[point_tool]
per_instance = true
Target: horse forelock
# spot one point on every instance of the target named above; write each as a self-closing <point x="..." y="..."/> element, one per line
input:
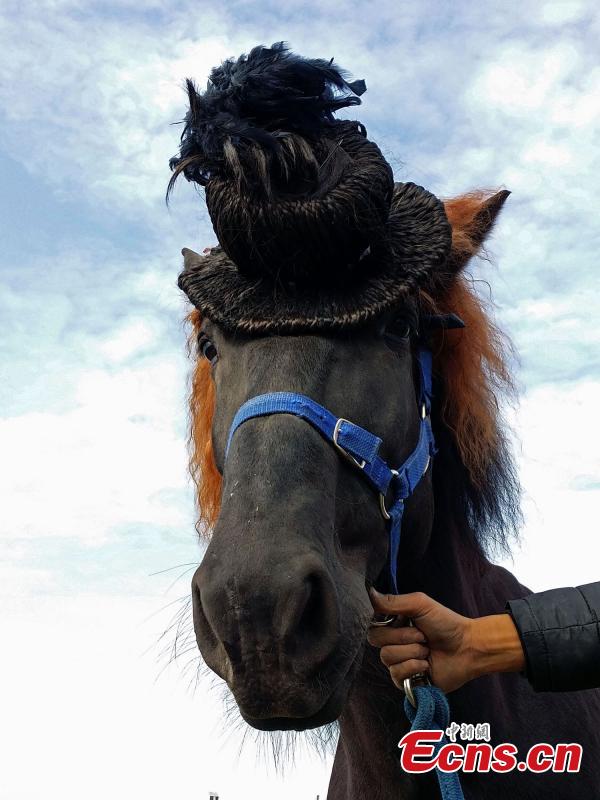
<point x="471" y="364"/>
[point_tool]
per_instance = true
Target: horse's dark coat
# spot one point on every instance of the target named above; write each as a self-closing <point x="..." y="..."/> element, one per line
<point x="280" y="606"/>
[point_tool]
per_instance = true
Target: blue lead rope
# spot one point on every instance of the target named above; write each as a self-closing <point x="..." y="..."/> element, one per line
<point x="433" y="713"/>
<point x="361" y="447"/>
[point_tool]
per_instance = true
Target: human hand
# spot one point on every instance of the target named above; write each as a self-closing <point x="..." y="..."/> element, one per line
<point x="452" y="648"/>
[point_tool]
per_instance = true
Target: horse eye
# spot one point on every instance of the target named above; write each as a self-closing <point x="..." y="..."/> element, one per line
<point x="398" y="335"/>
<point x="402" y="331"/>
<point x="208" y="350"/>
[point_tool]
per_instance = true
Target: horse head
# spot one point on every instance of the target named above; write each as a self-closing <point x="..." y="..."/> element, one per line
<point x="280" y="606"/>
<point x="304" y="297"/>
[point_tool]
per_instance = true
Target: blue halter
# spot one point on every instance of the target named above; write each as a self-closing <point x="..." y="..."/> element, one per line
<point x="360" y="447"/>
<point x="428" y="707"/>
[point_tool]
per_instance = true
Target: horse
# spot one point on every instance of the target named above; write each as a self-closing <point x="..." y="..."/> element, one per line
<point x="295" y="536"/>
<point x="280" y="606"/>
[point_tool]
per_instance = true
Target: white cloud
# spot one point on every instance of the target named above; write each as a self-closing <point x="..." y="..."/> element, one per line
<point x="560" y="470"/>
<point x="20" y="580"/>
<point x="560" y="12"/>
<point x="95" y="121"/>
<point x="80" y="694"/>
<point x="519" y="79"/>
<point x="108" y="462"/>
<point x="129" y="340"/>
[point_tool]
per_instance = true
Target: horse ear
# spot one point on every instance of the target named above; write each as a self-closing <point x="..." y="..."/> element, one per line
<point x="473" y="229"/>
<point x="190" y="258"/>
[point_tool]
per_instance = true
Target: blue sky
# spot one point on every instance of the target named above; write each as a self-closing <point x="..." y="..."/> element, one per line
<point x="92" y="399"/>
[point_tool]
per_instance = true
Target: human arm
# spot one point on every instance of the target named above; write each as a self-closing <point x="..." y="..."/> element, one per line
<point x="560" y="632"/>
<point x="553" y="637"/>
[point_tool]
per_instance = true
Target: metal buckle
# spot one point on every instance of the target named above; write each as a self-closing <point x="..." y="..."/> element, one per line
<point x="336" y="432"/>
<point x="384" y="512"/>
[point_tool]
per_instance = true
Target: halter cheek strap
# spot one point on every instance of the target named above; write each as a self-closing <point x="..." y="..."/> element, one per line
<point x="360" y="447"/>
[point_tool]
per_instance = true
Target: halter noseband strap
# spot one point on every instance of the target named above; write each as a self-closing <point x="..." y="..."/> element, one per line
<point x="360" y="447"/>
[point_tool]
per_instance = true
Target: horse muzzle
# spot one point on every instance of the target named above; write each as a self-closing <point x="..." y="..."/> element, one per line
<point x="276" y="637"/>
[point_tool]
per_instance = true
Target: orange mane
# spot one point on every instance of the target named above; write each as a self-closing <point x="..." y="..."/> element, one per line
<point x="470" y="363"/>
<point x="203" y="469"/>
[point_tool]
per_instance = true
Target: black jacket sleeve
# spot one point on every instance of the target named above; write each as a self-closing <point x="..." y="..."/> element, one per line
<point x="560" y="633"/>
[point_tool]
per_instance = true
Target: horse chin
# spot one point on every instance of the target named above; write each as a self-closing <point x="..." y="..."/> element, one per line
<point x="329" y="712"/>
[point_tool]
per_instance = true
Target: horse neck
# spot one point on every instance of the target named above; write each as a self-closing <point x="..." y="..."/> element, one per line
<point x="374" y="721"/>
<point x="453" y="569"/>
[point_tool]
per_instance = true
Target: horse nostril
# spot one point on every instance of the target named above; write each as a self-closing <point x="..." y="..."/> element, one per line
<point x="310" y="619"/>
<point x="203" y="628"/>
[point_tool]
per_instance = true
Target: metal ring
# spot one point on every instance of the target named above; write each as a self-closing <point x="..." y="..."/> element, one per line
<point x="384" y="512"/>
<point x="408" y="687"/>
<point x="380" y="623"/>
<point x="409" y="692"/>
<point x="418" y="676"/>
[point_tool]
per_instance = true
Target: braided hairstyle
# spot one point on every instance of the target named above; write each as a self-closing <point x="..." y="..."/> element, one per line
<point x="293" y="194"/>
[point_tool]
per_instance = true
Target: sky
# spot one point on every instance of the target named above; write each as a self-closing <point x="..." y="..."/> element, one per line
<point x="97" y="543"/>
